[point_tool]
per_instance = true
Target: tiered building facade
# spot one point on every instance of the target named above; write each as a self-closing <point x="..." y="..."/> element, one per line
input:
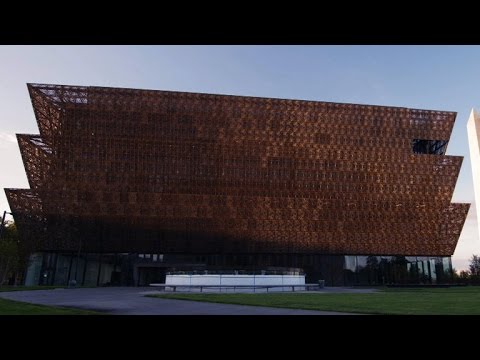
<point x="126" y="185"/>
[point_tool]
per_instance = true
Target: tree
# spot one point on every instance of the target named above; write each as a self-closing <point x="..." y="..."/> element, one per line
<point x="475" y="269"/>
<point x="10" y="259"/>
<point x="455" y="275"/>
<point x="475" y="265"/>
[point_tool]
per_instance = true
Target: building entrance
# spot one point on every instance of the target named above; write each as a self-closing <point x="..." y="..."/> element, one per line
<point x="148" y="275"/>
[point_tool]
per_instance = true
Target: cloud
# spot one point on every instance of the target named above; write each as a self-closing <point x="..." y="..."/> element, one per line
<point x="7" y="139"/>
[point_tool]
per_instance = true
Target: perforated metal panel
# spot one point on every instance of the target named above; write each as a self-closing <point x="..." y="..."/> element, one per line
<point x="138" y="170"/>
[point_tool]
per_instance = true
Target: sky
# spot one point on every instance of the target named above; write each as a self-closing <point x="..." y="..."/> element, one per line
<point x="422" y="77"/>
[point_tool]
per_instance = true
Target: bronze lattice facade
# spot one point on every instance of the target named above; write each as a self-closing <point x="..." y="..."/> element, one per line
<point x="139" y="171"/>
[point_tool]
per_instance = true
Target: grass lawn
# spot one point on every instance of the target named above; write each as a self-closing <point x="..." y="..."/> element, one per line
<point x="10" y="307"/>
<point x="418" y="301"/>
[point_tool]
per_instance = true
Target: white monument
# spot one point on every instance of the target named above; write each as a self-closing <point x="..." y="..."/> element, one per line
<point x="473" y="130"/>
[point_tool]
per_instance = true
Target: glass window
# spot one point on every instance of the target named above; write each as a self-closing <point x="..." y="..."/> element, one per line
<point x="423" y="146"/>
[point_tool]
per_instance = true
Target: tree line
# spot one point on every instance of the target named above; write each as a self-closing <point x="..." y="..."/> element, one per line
<point x="13" y="256"/>
<point x="470" y="276"/>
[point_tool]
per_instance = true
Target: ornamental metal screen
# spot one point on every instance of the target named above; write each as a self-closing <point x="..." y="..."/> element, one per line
<point x="126" y="170"/>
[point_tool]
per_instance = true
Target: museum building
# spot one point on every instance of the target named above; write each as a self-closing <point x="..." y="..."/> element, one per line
<point x="129" y="185"/>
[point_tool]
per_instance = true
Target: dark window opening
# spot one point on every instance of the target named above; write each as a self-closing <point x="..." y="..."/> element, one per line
<point x="435" y="147"/>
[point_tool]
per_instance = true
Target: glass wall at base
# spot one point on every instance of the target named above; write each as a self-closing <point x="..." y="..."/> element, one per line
<point x="386" y="270"/>
<point x="124" y="269"/>
<point x="86" y="269"/>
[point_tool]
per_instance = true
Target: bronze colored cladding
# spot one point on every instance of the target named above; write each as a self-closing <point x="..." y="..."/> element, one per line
<point x="139" y="170"/>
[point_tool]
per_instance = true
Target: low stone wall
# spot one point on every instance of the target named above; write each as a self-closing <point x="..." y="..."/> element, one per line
<point x="229" y="280"/>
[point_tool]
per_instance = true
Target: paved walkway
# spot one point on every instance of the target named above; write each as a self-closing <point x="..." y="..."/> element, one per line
<point x="132" y="301"/>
